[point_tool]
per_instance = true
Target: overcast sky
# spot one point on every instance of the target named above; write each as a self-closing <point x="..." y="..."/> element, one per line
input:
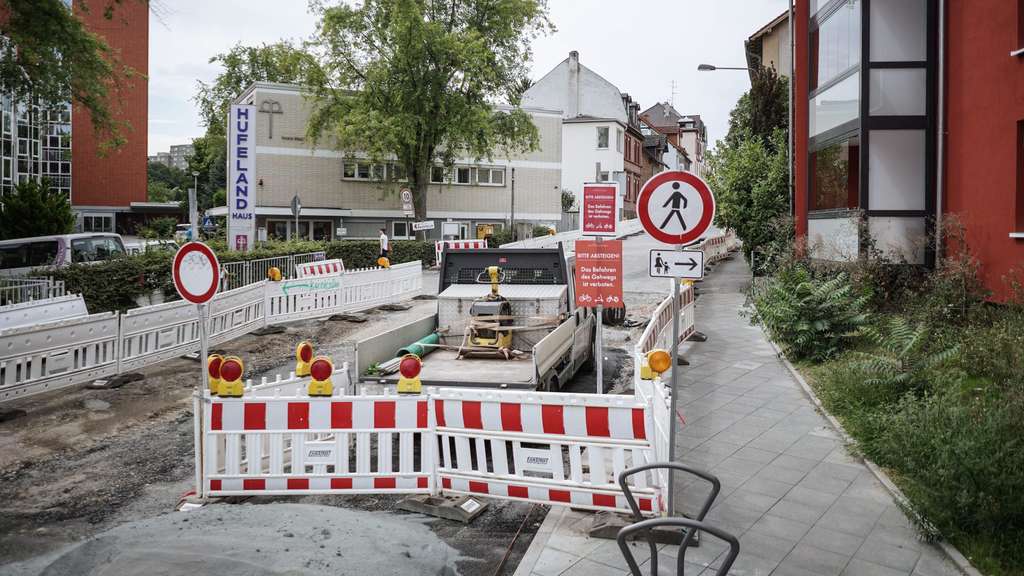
<point x="641" y="46"/>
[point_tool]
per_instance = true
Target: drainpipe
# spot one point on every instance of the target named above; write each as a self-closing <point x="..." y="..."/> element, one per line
<point x="792" y="78"/>
<point x="941" y="132"/>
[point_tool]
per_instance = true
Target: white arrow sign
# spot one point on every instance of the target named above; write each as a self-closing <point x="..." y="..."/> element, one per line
<point x="677" y="264"/>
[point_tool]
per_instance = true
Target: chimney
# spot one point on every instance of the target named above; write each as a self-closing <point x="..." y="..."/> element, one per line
<point x="574" y="85"/>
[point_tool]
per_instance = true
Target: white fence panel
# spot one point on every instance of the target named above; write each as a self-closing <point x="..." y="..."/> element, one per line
<point x="48" y="356"/>
<point x="41" y="311"/>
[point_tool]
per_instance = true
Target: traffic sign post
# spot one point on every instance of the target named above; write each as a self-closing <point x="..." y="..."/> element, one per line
<point x="599" y="211"/>
<point x="196" y="275"/>
<point x="296" y="209"/>
<point x="677" y="208"/>
<point x="599" y="284"/>
<point x="677" y="264"/>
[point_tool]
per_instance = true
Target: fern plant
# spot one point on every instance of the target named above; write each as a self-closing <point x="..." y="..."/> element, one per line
<point x="810" y="318"/>
<point x="903" y="359"/>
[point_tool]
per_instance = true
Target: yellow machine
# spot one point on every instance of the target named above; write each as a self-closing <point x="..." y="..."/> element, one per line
<point x="320" y="371"/>
<point x="231" y="370"/>
<point x="303" y="358"/>
<point x="213" y="372"/>
<point x="409" y="368"/>
<point x="483" y="333"/>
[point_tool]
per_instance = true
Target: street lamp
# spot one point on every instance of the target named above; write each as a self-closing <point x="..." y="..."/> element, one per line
<point x="193" y="207"/>
<point x="712" y="68"/>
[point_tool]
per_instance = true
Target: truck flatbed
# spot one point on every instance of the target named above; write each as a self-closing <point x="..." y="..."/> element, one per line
<point x="443" y="368"/>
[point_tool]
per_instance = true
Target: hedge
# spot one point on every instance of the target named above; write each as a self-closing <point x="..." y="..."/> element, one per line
<point x="115" y="285"/>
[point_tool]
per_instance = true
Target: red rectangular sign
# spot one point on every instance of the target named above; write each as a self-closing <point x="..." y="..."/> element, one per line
<point x="599" y="210"/>
<point x="599" y="273"/>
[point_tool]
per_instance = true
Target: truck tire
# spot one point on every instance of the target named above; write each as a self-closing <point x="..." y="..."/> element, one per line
<point x="614" y="316"/>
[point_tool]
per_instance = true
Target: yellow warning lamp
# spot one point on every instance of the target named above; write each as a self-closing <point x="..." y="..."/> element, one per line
<point x="384" y="262"/>
<point x="231" y="370"/>
<point x="409" y="368"/>
<point x="320" y="370"/>
<point x="658" y="361"/>
<point x="274" y="274"/>
<point x="213" y="362"/>
<point x="303" y="358"/>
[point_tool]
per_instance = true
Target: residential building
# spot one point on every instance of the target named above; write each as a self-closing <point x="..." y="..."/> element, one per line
<point x="885" y="154"/>
<point x="161" y="158"/>
<point x="594" y="124"/>
<point x="770" y="46"/>
<point x="108" y="191"/>
<point x="633" y="158"/>
<point x="180" y="154"/>
<point x="686" y="132"/>
<point x="671" y="155"/>
<point x="349" y="196"/>
<point x="35" y="143"/>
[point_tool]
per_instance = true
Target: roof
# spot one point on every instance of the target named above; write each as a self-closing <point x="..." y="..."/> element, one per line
<point x="662" y="114"/>
<point x="767" y="28"/>
<point x="585" y="119"/>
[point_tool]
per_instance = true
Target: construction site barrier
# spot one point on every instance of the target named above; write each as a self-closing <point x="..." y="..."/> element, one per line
<point x="39" y="311"/>
<point x="238" y="274"/>
<point x="73" y="348"/>
<point x="440" y="245"/>
<point x="17" y="290"/>
<point x="568" y="239"/>
<point x="322" y="268"/>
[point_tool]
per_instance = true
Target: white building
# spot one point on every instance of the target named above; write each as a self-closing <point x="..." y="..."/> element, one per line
<point x="594" y="125"/>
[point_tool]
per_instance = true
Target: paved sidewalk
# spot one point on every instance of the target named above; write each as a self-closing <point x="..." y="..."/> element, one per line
<point x="800" y="504"/>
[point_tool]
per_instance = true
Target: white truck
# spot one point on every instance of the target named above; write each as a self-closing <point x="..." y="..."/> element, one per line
<point x="506" y="318"/>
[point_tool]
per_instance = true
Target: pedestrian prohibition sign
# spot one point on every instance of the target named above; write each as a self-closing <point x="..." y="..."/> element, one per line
<point x="676" y="207"/>
<point x="196" y="272"/>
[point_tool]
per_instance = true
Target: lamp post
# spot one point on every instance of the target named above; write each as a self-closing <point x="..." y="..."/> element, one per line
<point x="712" y="68"/>
<point x="193" y="208"/>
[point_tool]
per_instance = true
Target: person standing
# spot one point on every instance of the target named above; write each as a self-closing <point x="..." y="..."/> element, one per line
<point x="383" y="244"/>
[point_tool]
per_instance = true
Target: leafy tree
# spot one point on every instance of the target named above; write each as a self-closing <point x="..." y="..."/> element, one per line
<point x="761" y="110"/>
<point x="35" y="209"/>
<point x="50" y="56"/>
<point x="168" y="175"/>
<point x="416" y="81"/>
<point x="568" y="200"/>
<point x="210" y="161"/>
<point x="159" y="192"/>
<point x="282" y="62"/>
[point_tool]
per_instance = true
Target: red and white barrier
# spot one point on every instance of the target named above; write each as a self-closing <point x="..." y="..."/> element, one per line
<point x="323" y="268"/>
<point x="440" y="245"/>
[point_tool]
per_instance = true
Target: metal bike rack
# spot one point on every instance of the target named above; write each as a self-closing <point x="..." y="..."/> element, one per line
<point x="694" y="525"/>
<point x="691" y="526"/>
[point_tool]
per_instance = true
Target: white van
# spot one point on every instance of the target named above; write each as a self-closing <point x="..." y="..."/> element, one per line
<point x="22" y="255"/>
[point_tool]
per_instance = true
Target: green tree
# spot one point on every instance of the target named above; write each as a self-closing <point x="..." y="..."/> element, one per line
<point x="760" y="111"/>
<point x="159" y="192"/>
<point x="416" y="80"/>
<point x="50" y="56"/>
<point x="210" y="161"/>
<point x="168" y="175"/>
<point x="35" y="209"/>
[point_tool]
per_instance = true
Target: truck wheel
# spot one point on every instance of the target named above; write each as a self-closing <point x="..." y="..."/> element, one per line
<point x="614" y="316"/>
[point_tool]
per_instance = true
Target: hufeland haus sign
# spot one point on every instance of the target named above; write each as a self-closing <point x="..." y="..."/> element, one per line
<point x="241" y="194"/>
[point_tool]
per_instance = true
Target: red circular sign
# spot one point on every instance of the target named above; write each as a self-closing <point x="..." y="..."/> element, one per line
<point x="196" y="272"/>
<point x="661" y="220"/>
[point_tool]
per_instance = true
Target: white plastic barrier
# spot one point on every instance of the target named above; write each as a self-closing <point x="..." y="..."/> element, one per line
<point x="439" y="246"/>
<point x="322" y="268"/>
<point x="40" y="311"/>
<point x="623" y="228"/>
<point x="51" y="355"/>
<point x="57" y="354"/>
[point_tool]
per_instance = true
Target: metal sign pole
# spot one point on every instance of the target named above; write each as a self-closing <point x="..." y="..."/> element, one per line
<point x="599" y="340"/>
<point x="204" y="352"/>
<point x="675" y="395"/>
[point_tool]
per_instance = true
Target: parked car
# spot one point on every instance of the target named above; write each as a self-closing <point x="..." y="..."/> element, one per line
<point x="138" y="246"/>
<point x="22" y="255"/>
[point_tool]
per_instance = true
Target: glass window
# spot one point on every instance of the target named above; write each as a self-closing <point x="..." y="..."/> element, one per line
<point x="363" y="171"/>
<point x="28" y="255"/>
<point x="398" y="173"/>
<point x="322" y="230"/>
<point x="835" y="176"/>
<point x="898" y="91"/>
<point x="835" y="45"/>
<point x="490" y="176"/>
<point x="463" y="175"/>
<point x="437" y="174"/>
<point x="618" y="140"/>
<point x="836" y="106"/>
<point x="899" y="30"/>
<point x="277" y="229"/>
<point x="498" y="176"/>
<point x="896" y="170"/>
<point x="398" y="229"/>
<point x="349" y="170"/>
<point x="378" y="171"/>
<point x="602" y="137"/>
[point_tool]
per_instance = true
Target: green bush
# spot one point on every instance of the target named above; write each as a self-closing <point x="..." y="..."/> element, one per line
<point x="810" y="318"/>
<point x="114" y="285"/>
<point x="902" y="360"/>
<point x="539" y="230"/>
<point x="364" y="253"/>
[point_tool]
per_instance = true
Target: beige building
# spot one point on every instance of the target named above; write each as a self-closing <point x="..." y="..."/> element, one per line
<point x="347" y="196"/>
<point x="770" y="46"/>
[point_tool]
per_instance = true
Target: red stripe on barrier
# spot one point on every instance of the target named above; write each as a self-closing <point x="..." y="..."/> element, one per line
<point x="597" y="421"/>
<point x="559" y="496"/>
<point x="385" y="483"/>
<point x="551" y="418"/>
<point x="511" y="417"/>
<point x="254" y="484"/>
<point x="217" y="417"/>
<point x="383" y="414"/>
<point x="439" y="412"/>
<point x="421" y="414"/>
<point x="298" y="415"/>
<point x="471" y="415"/>
<point x="341" y="483"/>
<point x="341" y="414"/>
<point x="639" y="424"/>
<point x="518" y="492"/>
<point x="422" y="482"/>
<point x="298" y="483"/>
<point x="606" y="500"/>
<point x="479" y="487"/>
<point x="255" y="416"/>
<point x="446" y="483"/>
<point x="645" y="504"/>
<point x="214" y="484"/>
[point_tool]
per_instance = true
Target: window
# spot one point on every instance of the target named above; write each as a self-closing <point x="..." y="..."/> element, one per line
<point x="95" y="249"/>
<point x="835" y="106"/>
<point x="602" y="137"/>
<point x="277" y="229"/>
<point x="604" y="177"/>
<point x="399" y="230"/>
<point x="437" y="175"/>
<point x="362" y="170"/>
<point x="618" y="139"/>
<point x="835" y="44"/>
<point x="97" y="223"/>
<point x="835" y="176"/>
<point x="398" y="173"/>
<point x="322" y="230"/>
<point x="463" y="175"/>
<point x="28" y="255"/>
<point x="490" y="176"/>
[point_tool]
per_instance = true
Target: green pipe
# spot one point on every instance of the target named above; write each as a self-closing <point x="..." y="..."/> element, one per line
<point x="418" y="347"/>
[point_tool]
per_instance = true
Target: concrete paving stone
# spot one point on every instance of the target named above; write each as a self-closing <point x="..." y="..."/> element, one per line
<point x="896" y="557"/>
<point x="775" y="440"/>
<point x="752" y="500"/>
<point x="770" y="414"/>
<point x="812" y="447"/>
<point x="824" y="483"/>
<point x="902" y="536"/>
<point x="869" y="489"/>
<point x="785" y="569"/>
<point x="814" y="498"/>
<point x="732" y="518"/>
<point x="858" y="507"/>
<point x="747" y="365"/>
<point x="704" y="555"/>
<point x="934" y="563"/>
<point x="795" y="463"/>
<point x="793" y="510"/>
<point x="781" y="474"/>
<point x="756" y="454"/>
<point x="859" y="525"/>
<point x="589" y="568"/>
<point x="815" y="560"/>
<point x="667" y="566"/>
<point x="740" y="434"/>
<point x="861" y="567"/>
<point x="842" y="456"/>
<point x="738" y="467"/>
<point x="843" y="471"/>
<point x="759" y="423"/>
<point x="553" y="562"/>
<point x="755" y="402"/>
<point x="742" y="409"/>
<point x="609" y="554"/>
<point x="780" y="527"/>
<point x="765" y="546"/>
<point x="761" y="485"/>
<point x="751" y="565"/>
<point x="833" y="541"/>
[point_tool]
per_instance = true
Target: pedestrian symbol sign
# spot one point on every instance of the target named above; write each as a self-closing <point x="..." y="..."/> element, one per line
<point x="677" y="264"/>
<point x="676" y="207"/>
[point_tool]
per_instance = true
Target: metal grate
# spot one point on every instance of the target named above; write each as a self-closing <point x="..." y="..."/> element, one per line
<point x="512" y="276"/>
